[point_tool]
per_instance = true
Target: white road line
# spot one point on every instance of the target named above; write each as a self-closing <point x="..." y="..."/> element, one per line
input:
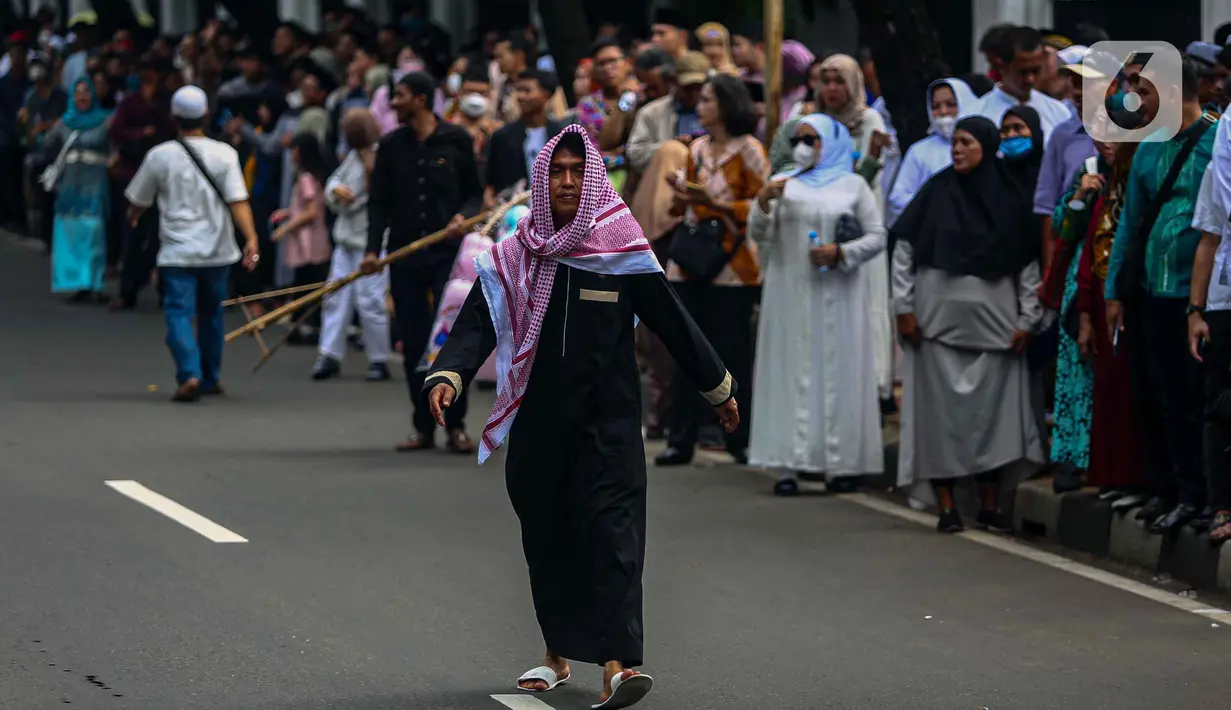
<point x="521" y="702"/>
<point x="193" y="521"/>
<point x="1049" y="559"/>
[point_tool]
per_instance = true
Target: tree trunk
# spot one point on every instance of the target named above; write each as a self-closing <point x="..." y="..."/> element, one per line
<point x="568" y="38"/>
<point x="907" y="53"/>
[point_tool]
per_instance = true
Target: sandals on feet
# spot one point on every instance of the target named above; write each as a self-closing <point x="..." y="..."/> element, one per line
<point x="626" y="691"/>
<point x="545" y="674"/>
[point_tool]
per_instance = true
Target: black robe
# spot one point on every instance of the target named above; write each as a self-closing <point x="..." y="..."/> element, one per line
<point x="575" y="469"/>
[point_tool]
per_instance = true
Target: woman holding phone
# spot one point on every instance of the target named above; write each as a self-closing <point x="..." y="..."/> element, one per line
<point x="726" y="169"/>
<point x="1090" y="213"/>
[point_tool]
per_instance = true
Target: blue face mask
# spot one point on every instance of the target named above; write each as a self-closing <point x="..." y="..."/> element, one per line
<point x="1016" y="147"/>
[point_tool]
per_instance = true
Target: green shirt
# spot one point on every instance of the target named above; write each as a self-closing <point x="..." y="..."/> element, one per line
<point x="1173" y="241"/>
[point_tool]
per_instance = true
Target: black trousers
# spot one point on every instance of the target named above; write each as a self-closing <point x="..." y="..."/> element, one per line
<point x="416" y="292"/>
<point x="724" y="315"/>
<point x="139" y="256"/>
<point x="1178" y="380"/>
<point x="1217" y="426"/>
<point x="12" y="199"/>
<point x="117" y="222"/>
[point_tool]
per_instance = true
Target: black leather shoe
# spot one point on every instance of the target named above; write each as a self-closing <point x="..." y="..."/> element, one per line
<point x="1153" y="509"/>
<point x="673" y="457"/>
<point x="950" y="521"/>
<point x="1201" y="523"/>
<point x="1066" y="480"/>
<point x="326" y="367"/>
<point x="377" y="372"/>
<point x="842" y="484"/>
<point x="1179" y="516"/>
<point x="995" y="521"/>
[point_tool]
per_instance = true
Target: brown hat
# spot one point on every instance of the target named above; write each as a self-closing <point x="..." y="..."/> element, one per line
<point x="692" y="68"/>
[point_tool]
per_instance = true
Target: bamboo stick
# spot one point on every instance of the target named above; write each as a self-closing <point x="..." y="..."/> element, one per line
<point x="773" y="68"/>
<point x="499" y="213"/>
<point x="272" y="294"/>
<point x="243" y="307"/>
<point x="395" y="256"/>
<point x="286" y="337"/>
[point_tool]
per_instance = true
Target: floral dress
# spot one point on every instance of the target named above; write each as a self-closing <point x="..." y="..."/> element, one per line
<point x="1074" y="399"/>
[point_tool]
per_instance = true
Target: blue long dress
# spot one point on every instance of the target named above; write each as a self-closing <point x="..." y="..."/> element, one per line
<point x="83" y="204"/>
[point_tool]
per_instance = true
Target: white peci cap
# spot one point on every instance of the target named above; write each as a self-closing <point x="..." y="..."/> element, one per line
<point x="189" y="102"/>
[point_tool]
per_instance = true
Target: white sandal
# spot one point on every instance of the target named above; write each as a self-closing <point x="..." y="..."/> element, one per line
<point x="626" y="692"/>
<point x="545" y="674"/>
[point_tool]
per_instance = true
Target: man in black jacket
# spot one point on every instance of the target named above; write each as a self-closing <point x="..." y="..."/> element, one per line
<point x="512" y="149"/>
<point x="424" y="180"/>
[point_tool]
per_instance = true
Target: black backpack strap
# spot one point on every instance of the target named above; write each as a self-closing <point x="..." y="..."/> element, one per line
<point x="196" y="160"/>
<point x="1132" y="271"/>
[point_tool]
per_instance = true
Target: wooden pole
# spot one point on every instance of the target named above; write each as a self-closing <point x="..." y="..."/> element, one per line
<point x="773" y="68"/>
<point x="278" y="313"/>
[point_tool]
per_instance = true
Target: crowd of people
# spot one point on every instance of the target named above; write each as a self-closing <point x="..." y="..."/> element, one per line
<point x="1044" y="300"/>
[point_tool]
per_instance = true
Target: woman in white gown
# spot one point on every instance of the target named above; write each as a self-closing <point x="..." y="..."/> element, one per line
<point x="815" y="405"/>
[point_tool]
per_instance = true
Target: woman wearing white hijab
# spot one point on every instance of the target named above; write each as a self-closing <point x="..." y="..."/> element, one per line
<point x="816" y="399"/>
<point x="949" y="101"/>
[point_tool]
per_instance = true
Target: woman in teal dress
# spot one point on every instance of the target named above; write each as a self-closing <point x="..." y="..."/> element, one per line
<point x="1074" y="399"/>
<point x="83" y="197"/>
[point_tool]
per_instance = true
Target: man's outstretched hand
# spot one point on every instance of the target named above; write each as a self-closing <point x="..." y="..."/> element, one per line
<point x="728" y="415"/>
<point x="440" y="399"/>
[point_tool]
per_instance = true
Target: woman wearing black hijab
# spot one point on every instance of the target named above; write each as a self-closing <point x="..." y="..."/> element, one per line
<point x="1021" y="143"/>
<point x="965" y="282"/>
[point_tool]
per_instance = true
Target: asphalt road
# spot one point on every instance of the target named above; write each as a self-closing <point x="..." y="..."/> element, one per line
<point x="372" y="580"/>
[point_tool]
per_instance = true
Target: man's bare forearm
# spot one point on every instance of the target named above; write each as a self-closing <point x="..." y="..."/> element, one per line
<point x="241" y="212"/>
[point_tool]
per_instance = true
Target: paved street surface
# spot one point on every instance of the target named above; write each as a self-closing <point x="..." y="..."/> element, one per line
<point x="371" y="580"/>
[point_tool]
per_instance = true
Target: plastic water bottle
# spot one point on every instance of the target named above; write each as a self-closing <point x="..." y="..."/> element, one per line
<point x="815" y="240"/>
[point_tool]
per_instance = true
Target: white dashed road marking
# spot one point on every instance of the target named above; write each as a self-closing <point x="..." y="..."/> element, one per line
<point x="521" y="702"/>
<point x="193" y="521"/>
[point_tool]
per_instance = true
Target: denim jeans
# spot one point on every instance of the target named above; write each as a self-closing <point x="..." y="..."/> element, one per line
<point x="195" y="292"/>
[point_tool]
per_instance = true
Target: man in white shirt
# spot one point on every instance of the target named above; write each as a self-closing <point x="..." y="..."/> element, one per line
<point x="199" y="214"/>
<point x="1019" y="57"/>
<point x="1209" y="324"/>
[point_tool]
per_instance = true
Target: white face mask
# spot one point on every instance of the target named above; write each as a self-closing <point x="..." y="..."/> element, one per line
<point x="294" y="100"/>
<point x="804" y="155"/>
<point x="37" y="72"/>
<point x="944" y="126"/>
<point x="473" y="105"/>
<point x="453" y="84"/>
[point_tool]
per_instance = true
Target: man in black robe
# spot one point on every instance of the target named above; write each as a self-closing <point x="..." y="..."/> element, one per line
<point x="558" y="302"/>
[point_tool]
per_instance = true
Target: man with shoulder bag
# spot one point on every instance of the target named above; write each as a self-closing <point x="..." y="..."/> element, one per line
<point x="200" y="190"/>
<point x="1152" y="257"/>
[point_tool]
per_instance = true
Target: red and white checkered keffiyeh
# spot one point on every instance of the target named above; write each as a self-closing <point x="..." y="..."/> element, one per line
<point x="518" y="273"/>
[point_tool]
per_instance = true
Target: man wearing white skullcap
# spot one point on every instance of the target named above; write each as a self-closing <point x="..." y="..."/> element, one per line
<point x="200" y="190"/>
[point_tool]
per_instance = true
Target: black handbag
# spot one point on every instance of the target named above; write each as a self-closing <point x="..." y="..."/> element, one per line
<point x="698" y="250"/>
<point x="848" y="229"/>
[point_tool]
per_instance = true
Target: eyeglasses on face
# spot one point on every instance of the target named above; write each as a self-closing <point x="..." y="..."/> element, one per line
<point x="809" y="141"/>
